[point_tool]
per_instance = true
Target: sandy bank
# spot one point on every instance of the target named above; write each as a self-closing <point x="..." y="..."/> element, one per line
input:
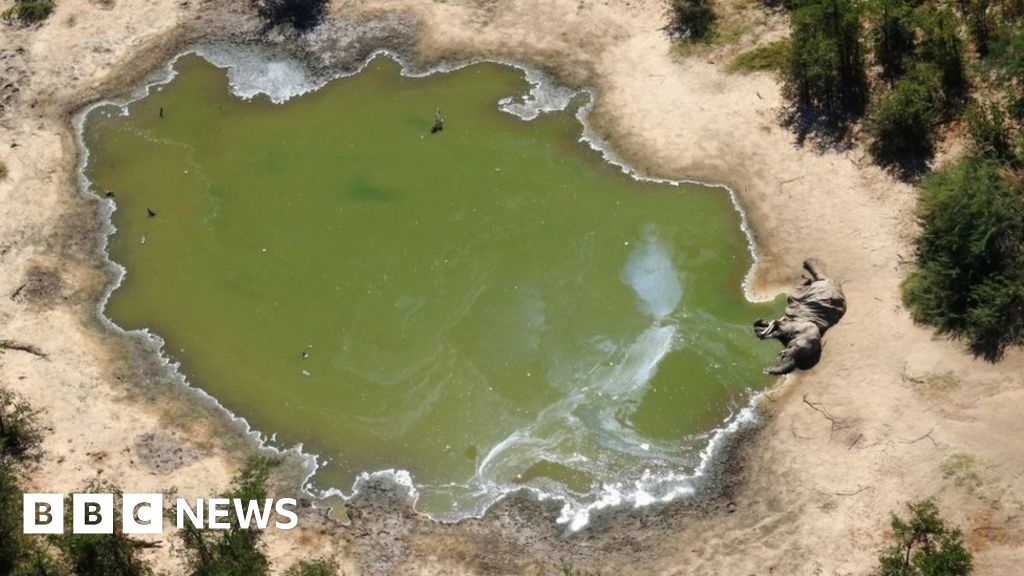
<point x="891" y="414"/>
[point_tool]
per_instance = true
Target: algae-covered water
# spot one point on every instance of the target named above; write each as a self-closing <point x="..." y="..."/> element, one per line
<point x="490" y="307"/>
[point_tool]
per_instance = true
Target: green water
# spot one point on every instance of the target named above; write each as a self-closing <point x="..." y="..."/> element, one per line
<point x="488" y="307"/>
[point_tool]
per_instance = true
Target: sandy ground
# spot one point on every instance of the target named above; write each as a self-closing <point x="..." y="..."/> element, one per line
<point x="892" y="413"/>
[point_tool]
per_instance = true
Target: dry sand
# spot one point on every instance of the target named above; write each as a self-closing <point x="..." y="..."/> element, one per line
<point x="891" y="414"/>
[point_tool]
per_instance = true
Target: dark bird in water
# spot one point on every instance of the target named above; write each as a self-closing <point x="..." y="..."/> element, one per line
<point x="305" y="354"/>
<point x="438" y="122"/>
<point x="108" y="194"/>
<point x="161" y="111"/>
<point x="150" y="212"/>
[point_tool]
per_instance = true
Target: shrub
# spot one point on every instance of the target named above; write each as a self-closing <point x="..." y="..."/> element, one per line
<point x="11" y="540"/>
<point x="236" y="551"/>
<point x="892" y="35"/>
<point x="942" y="46"/>
<point x="826" y="69"/>
<point x="764" y="58"/>
<point x="980" y="24"/>
<point x="102" y="554"/>
<point x="302" y="15"/>
<point x="37" y="562"/>
<point x="969" y="281"/>
<point x="902" y="125"/>
<point x="3" y="171"/>
<point x="29" y="11"/>
<point x="321" y="567"/>
<point x="694" y="19"/>
<point x="989" y="133"/>
<point x="1006" y="58"/>
<point x="21" y="435"/>
<point x="925" y="546"/>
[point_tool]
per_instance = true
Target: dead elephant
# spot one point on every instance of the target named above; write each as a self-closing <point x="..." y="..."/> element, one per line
<point x="816" y="305"/>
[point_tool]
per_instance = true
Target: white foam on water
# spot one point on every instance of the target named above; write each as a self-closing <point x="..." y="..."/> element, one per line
<point x="653" y="276"/>
<point x="598" y="397"/>
<point x="545" y="95"/>
<point x="254" y="71"/>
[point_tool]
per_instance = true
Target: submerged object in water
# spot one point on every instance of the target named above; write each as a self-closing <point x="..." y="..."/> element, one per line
<point x="438" y="122"/>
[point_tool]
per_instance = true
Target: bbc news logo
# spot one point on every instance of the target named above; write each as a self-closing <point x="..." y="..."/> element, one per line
<point x="144" y="513"/>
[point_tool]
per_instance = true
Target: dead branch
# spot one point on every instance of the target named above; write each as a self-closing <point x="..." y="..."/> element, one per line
<point x="835" y="423"/>
<point x="21" y="347"/>
<point x="927" y="435"/>
<point x="854" y="493"/>
<point x="855" y="441"/>
<point x="17" y="291"/>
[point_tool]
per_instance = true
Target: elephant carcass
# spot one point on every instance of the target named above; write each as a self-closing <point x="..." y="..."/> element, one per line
<point x="815" y="305"/>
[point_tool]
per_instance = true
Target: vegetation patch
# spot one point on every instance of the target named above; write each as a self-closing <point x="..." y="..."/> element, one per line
<point x="29" y="11"/>
<point x="21" y="435"/>
<point x="936" y="384"/>
<point x="768" y="58"/>
<point x="321" y="567"/>
<point x="969" y="281"/>
<point x="903" y="124"/>
<point x="925" y="546"/>
<point x="101" y="554"/>
<point x="962" y="469"/>
<point x="826" y="73"/>
<point x="694" y="20"/>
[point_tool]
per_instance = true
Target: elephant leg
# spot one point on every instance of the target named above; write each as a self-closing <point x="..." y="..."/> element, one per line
<point x="814" y="269"/>
<point x="785" y="365"/>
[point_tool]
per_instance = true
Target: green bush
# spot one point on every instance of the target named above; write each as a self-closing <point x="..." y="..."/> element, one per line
<point x="969" y="281"/>
<point x="21" y="435"/>
<point x="826" y="70"/>
<point x="694" y="19"/>
<point x="1012" y="9"/>
<point x="1006" y="63"/>
<point x="35" y="561"/>
<point x="925" y="546"/>
<point x="11" y="540"/>
<point x="29" y="11"/>
<point x="980" y="24"/>
<point x="942" y="46"/>
<point x="236" y="551"/>
<point x="902" y="126"/>
<point x="989" y="133"/>
<point x="892" y="35"/>
<point x="773" y="56"/>
<point x="321" y="567"/>
<point x="102" y="554"/>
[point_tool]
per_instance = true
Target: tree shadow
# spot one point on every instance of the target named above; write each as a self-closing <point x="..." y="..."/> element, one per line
<point x="908" y="168"/>
<point x="824" y="131"/>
